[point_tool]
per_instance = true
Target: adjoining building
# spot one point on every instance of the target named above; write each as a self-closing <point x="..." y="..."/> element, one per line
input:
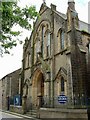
<point x="0" y="94"/>
<point x="9" y="86"/>
<point x="55" y="65"/>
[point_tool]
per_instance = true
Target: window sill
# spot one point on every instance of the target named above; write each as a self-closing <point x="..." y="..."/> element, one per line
<point x="61" y="52"/>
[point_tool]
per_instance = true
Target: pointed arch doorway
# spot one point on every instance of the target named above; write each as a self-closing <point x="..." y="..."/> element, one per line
<point x="38" y="89"/>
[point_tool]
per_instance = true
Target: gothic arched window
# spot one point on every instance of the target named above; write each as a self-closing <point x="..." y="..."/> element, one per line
<point x="48" y="44"/>
<point x="42" y="46"/>
<point x="62" y="84"/>
<point x="62" y="39"/>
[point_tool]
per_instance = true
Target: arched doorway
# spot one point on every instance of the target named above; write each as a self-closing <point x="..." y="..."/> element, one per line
<point x="38" y="89"/>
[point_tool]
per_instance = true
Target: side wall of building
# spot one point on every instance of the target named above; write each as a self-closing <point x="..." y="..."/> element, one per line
<point x="10" y="88"/>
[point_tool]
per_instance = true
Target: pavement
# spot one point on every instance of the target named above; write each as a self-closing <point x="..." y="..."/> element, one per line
<point x="20" y="115"/>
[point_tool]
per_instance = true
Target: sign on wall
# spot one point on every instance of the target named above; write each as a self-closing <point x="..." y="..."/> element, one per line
<point x="62" y="99"/>
<point x="17" y="100"/>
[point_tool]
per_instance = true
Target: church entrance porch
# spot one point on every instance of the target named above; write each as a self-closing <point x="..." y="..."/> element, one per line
<point x="38" y="89"/>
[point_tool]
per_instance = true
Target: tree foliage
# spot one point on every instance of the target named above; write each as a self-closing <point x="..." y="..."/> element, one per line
<point x="11" y="15"/>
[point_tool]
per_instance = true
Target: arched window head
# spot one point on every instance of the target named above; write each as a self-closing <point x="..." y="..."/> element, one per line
<point x="62" y="84"/>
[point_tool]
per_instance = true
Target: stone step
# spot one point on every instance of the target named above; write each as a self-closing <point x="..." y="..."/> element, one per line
<point x="32" y="113"/>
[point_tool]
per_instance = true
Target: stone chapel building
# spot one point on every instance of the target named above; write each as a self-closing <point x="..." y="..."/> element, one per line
<point x="56" y="60"/>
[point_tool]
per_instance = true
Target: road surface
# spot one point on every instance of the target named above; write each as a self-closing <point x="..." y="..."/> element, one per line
<point x="4" y="115"/>
<point x="7" y="116"/>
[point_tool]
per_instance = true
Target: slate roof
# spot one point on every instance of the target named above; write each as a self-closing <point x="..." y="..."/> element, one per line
<point x="82" y="25"/>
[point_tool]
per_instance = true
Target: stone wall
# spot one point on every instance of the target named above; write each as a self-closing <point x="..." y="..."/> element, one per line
<point x="10" y="87"/>
<point x="16" y="109"/>
<point x="63" y="113"/>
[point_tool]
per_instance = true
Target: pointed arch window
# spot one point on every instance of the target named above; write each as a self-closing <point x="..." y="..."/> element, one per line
<point x="48" y="44"/>
<point x="38" y="47"/>
<point x="62" y="84"/>
<point x="42" y="35"/>
<point x="62" y="39"/>
<point x="27" y="60"/>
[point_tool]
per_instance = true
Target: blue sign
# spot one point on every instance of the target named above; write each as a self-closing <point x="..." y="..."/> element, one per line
<point x="17" y="100"/>
<point x="62" y="99"/>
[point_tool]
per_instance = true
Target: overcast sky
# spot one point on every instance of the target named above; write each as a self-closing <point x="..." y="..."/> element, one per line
<point x="10" y="63"/>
